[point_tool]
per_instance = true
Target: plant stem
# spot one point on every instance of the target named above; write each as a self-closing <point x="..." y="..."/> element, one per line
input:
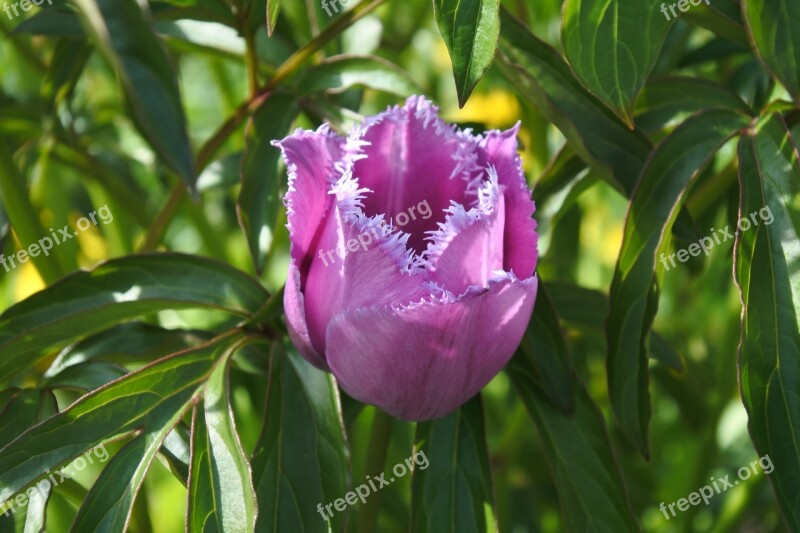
<point x="251" y="56"/>
<point x="209" y="149"/>
<point x="376" y="461"/>
<point x="159" y="226"/>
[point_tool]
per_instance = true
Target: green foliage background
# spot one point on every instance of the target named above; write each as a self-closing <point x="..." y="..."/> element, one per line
<point x="634" y="385"/>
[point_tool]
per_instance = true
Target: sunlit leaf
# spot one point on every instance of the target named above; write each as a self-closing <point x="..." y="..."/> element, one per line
<point x="470" y="29"/>
<point x="613" y="45"/>
<point x="118" y="290"/>
<point x="775" y="29"/>
<point x="768" y="275"/>
<point x="221" y="493"/>
<point x="340" y="73"/>
<point x="148" y="400"/>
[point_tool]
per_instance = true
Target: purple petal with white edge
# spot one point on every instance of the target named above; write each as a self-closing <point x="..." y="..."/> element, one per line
<point x="311" y="159"/>
<point x="468" y="247"/>
<point x="357" y="264"/>
<point x="294" y="305"/>
<point x="379" y="268"/>
<point x="415" y="164"/>
<point x="499" y="150"/>
<point x="422" y="361"/>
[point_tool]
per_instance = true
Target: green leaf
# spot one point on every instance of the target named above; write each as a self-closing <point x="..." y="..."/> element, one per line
<point x="109" y="504"/>
<point x="148" y="399"/>
<point x="211" y="38"/>
<point x="22" y="409"/>
<point x="563" y="172"/>
<point x="588" y="308"/>
<point x="260" y="195"/>
<point x="633" y="296"/>
<point x="222" y="174"/>
<point x="591" y="490"/>
<point x="301" y="459"/>
<point x="662" y="351"/>
<point x="23" y="216"/>
<point x="579" y="306"/>
<point x="221" y="496"/>
<point x="69" y="60"/>
<point x="775" y="29"/>
<point x="123" y="34"/>
<point x="339" y="73"/>
<point x="666" y="98"/>
<point x="597" y="135"/>
<point x="130" y="343"/>
<point x="613" y="45"/>
<point x="273" y="10"/>
<point x="470" y="29"/>
<point x="115" y="291"/>
<point x="55" y="22"/>
<point x="204" y="10"/>
<point x="545" y="350"/>
<point x="453" y="492"/>
<point x="723" y="17"/>
<point x="86" y="376"/>
<point x="768" y="276"/>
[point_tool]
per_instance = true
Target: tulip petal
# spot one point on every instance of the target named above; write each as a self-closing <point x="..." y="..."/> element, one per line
<point x="311" y="159"/>
<point x="294" y="305"/>
<point x="344" y="273"/>
<point x="324" y="280"/>
<point x="379" y="269"/>
<point x="422" y="361"/>
<point x="467" y="250"/>
<point x="415" y="164"/>
<point x="499" y="150"/>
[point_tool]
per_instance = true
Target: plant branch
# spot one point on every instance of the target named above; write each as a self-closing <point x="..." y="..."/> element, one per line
<point x="210" y="148"/>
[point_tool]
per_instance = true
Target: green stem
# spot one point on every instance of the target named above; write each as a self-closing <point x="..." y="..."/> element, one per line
<point x="376" y="461"/>
<point x="341" y="23"/>
<point x="159" y="226"/>
<point x="269" y="311"/>
<point x="22" y="214"/>
<point x="251" y="57"/>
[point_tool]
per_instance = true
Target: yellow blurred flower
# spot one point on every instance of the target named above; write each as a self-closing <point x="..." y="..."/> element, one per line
<point x="28" y="281"/>
<point x="93" y="247"/>
<point x="497" y="109"/>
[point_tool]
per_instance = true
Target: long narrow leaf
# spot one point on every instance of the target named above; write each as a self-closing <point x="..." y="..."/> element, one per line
<point x="768" y="275"/>
<point x="633" y="296"/>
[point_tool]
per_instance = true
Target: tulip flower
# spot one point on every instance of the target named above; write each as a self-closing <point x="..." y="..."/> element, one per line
<point x="413" y="257"/>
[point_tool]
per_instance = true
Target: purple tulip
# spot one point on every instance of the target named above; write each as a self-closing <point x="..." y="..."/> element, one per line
<point x="413" y="251"/>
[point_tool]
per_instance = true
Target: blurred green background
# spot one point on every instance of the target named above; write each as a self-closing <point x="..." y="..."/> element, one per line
<point x="72" y="143"/>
